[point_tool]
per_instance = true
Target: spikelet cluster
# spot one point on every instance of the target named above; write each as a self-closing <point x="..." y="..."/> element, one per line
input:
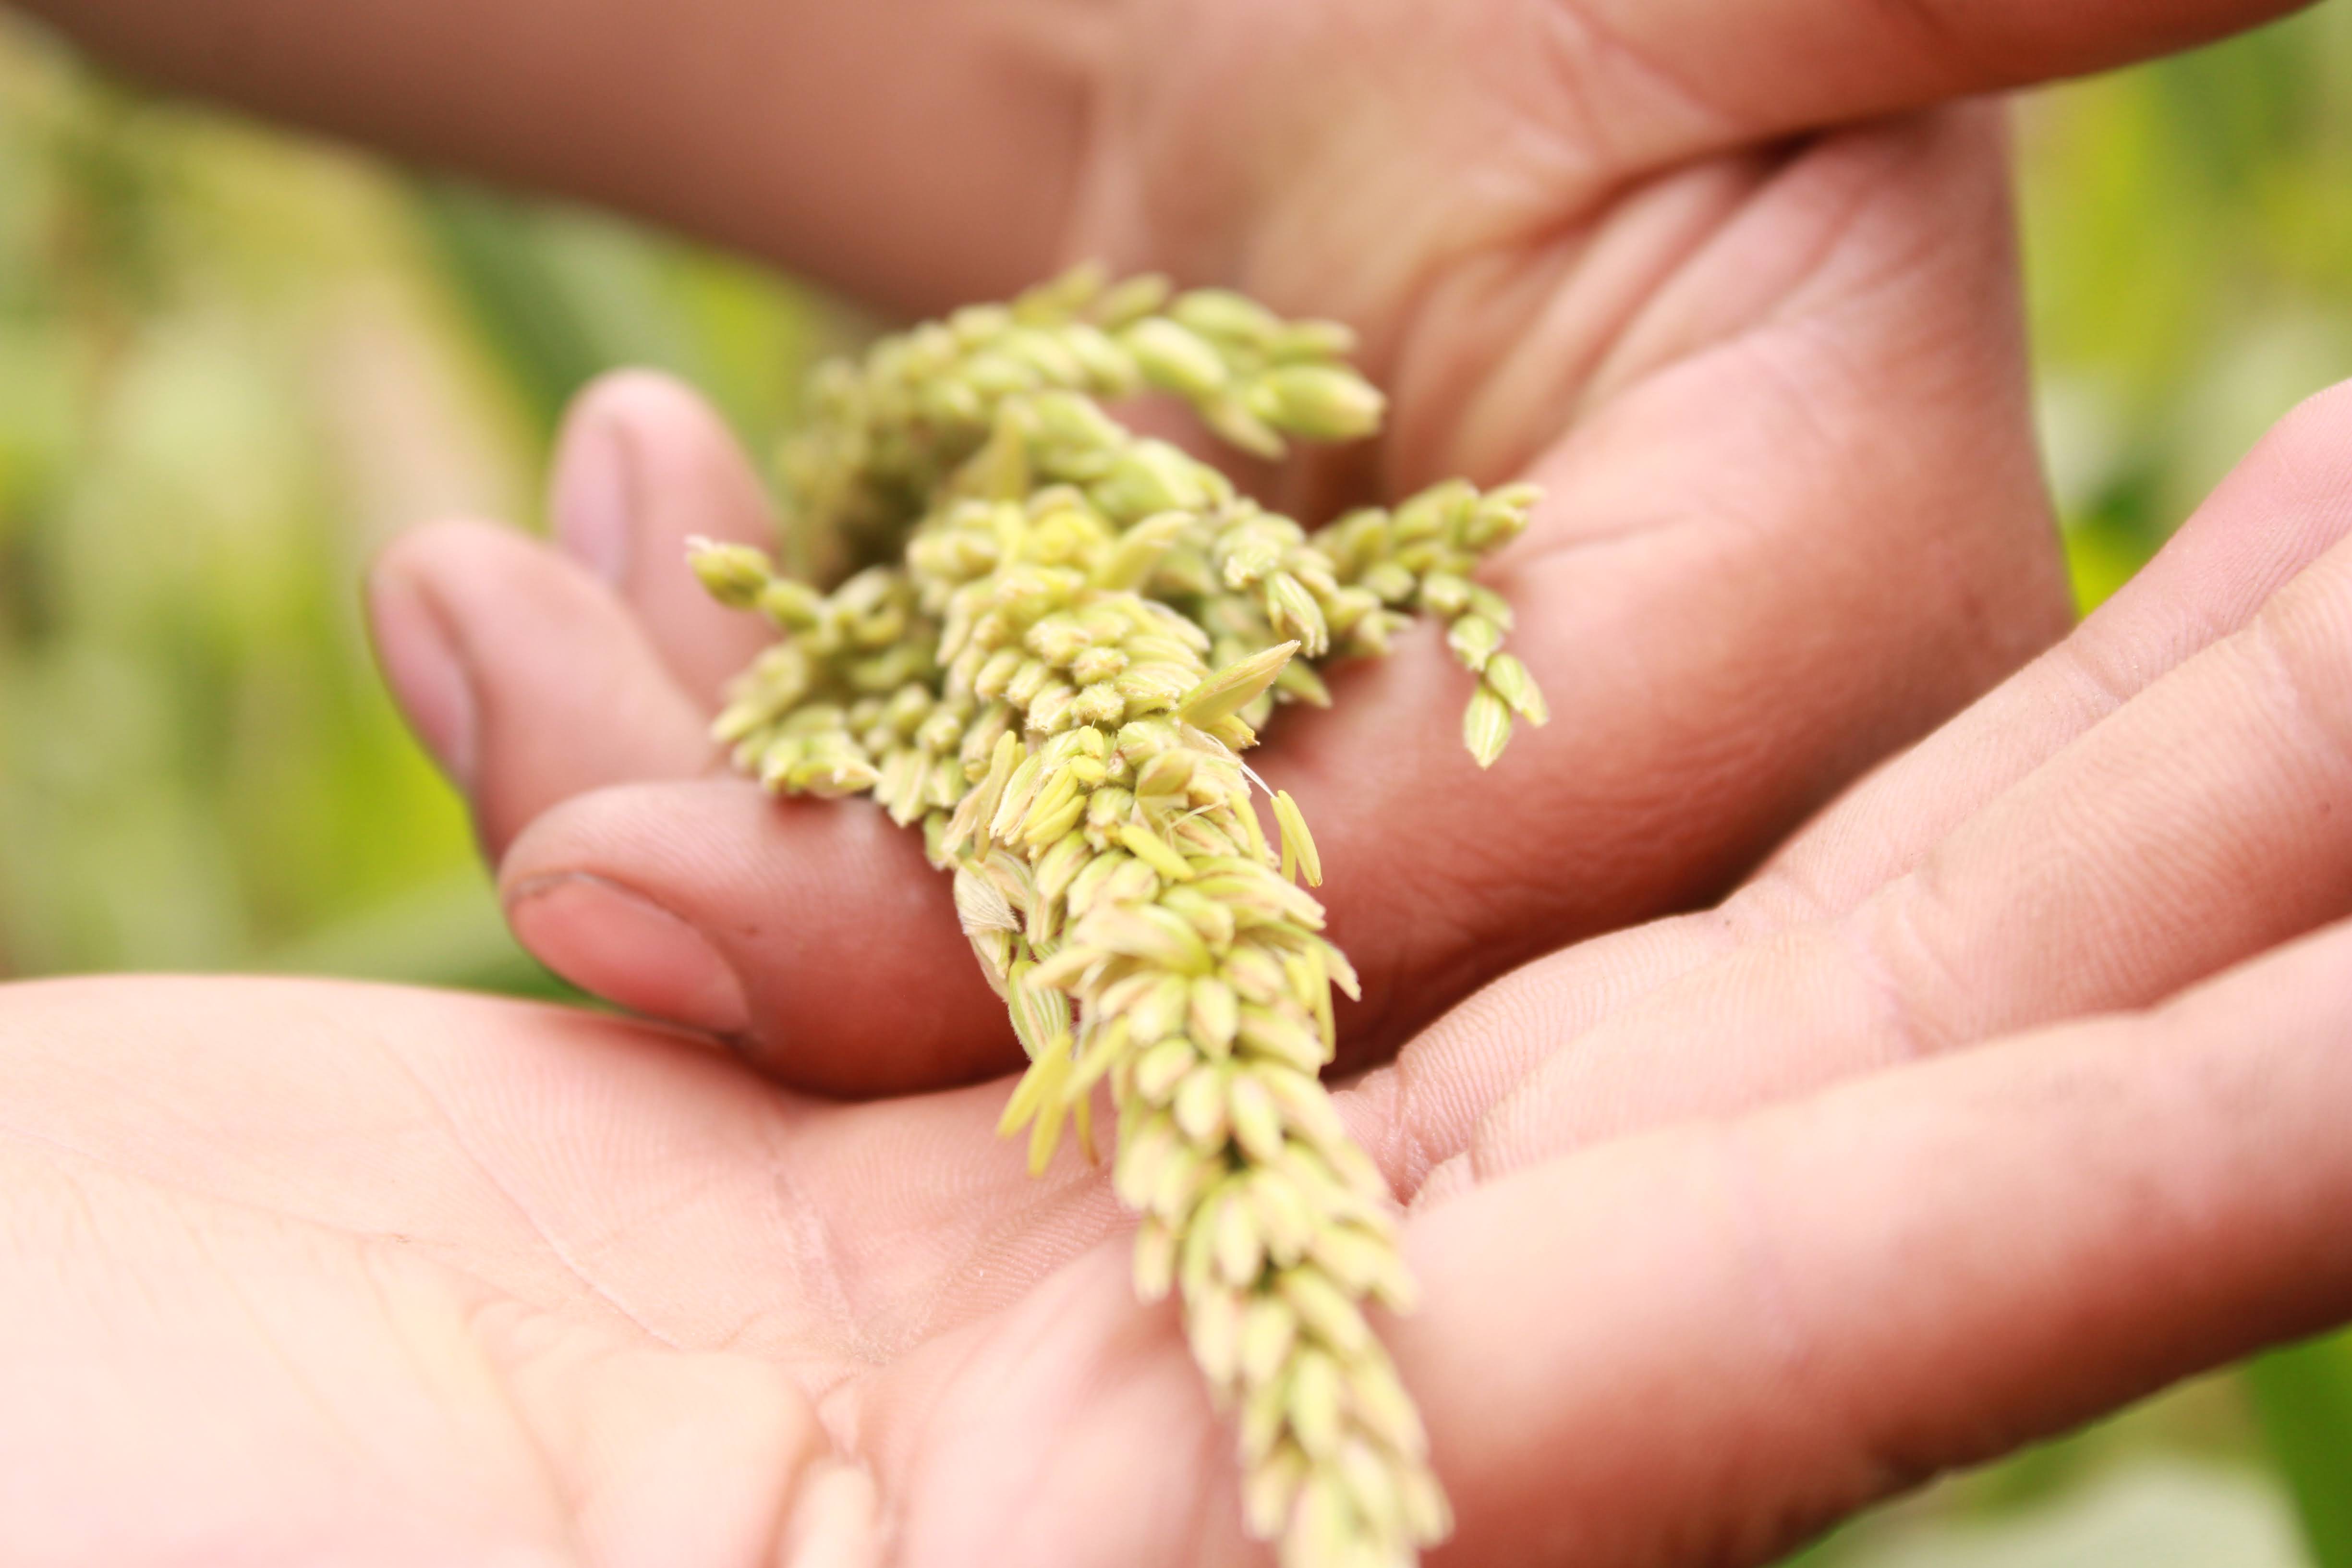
<point x="1054" y="640"/>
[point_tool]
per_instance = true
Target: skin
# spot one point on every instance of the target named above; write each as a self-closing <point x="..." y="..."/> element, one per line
<point x="361" y="1275"/>
<point x="355" y="1274"/>
<point x="1735" y="284"/>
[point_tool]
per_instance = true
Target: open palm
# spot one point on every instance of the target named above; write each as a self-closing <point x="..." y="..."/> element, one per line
<point x="1729" y="1223"/>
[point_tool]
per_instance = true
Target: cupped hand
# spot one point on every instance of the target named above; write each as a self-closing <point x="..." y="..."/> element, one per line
<point x="1760" y="350"/>
<point x="2012" y="1088"/>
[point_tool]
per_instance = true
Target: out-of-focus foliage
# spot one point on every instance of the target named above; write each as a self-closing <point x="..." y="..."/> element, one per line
<point x="233" y="363"/>
<point x="2303" y="1397"/>
<point x="2188" y="247"/>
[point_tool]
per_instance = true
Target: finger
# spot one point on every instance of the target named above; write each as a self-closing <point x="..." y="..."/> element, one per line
<point x="2195" y="827"/>
<point x="1418" y="1113"/>
<point x="1740" y="71"/>
<point x="814" y="933"/>
<point x="947" y="158"/>
<point x="1778" y="1320"/>
<point x="523" y="674"/>
<point x="642" y="464"/>
<point x="2287" y="503"/>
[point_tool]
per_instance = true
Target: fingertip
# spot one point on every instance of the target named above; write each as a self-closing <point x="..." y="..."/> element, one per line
<point x="523" y="674"/>
<point x="856" y="976"/>
<point x="611" y="940"/>
<point x="593" y="491"/>
<point x="643" y="463"/>
<point x="597" y="483"/>
<point x="421" y="665"/>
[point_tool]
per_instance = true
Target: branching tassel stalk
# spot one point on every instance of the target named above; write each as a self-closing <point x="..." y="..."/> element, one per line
<point x="1050" y="641"/>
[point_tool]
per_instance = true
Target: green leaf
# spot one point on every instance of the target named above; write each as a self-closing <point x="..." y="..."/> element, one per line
<point x="2303" y="1400"/>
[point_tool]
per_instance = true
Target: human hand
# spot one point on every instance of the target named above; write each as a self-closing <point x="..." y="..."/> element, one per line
<point x="1727" y="1223"/>
<point x="1773" y="390"/>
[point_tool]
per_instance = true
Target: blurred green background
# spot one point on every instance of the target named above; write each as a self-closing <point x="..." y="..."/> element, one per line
<point x="232" y="363"/>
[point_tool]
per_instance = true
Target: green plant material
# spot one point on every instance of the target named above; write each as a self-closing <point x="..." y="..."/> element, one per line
<point x="1055" y="640"/>
<point x="2302" y="1399"/>
<point x="231" y="364"/>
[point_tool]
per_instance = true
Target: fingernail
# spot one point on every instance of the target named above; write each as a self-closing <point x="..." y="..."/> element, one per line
<point x="427" y="678"/>
<point x="593" y="496"/>
<point x="607" y="939"/>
